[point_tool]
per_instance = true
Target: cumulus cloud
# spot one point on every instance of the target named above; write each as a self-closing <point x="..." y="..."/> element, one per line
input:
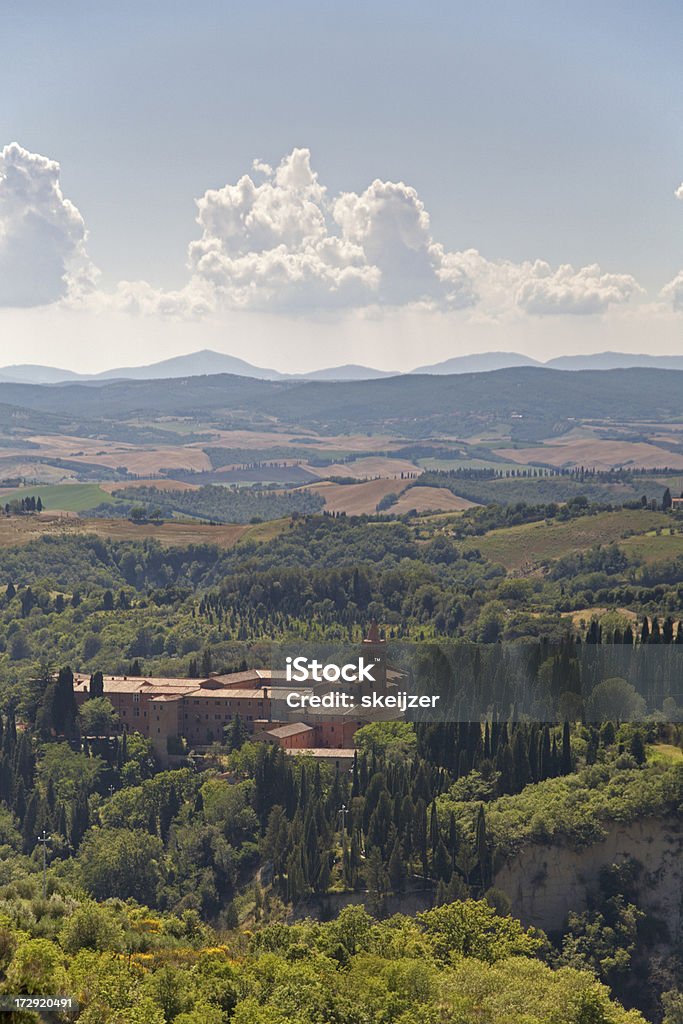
<point x="283" y="243"/>
<point x="269" y="244"/>
<point x="566" y="290"/>
<point x="42" y="234"/>
<point x="275" y="240"/>
<point x="673" y="292"/>
<point x="389" y="224"/>
<point x="536" y="288"/>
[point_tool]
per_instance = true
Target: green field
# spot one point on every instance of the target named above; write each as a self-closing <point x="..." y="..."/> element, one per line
<point x="665" y="752"/>
<point x="653" y="547"/>
<point x="62" y="497"/>
<point x="533" y="544"/>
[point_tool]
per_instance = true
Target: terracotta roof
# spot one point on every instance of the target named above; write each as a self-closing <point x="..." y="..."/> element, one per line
<point x="83" y="676"/>
<point x="227" y="694"/>
<point x="248" y="676"/>
<point x="133" y="684"/>
<point x="295" y="729"/>
<point x="282" y="692"/>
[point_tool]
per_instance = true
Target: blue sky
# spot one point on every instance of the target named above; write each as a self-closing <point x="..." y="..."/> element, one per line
<point x="526" y="131"/>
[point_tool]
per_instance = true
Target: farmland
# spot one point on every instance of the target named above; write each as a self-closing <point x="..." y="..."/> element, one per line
<point x="20" y="530"/>
<point x="377" y="435"/>
<point x="527" y="547"/>
<point x="595" y="454"/>
<point x="654" y="547"/>
<point x="62" y="497"/>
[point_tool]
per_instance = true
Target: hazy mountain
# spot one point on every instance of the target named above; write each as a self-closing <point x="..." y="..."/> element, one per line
<point x="208" y="363"/>
<point x="615" y="361"/>
<point x="350" y="371"/>
<point x="30" y="373"/>
<point x="195" y="364"/>
<point x="482" y="363"/>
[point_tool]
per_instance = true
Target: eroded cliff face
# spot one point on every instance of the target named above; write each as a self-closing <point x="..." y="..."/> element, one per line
<point x="545" y="883"/>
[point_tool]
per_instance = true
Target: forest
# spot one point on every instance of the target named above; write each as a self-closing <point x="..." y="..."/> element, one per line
<point x="214" y="503"/>
<point x="246" y="885"/>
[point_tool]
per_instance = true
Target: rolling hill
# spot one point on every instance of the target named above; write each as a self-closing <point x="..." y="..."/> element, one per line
<point x="534" y="402"/>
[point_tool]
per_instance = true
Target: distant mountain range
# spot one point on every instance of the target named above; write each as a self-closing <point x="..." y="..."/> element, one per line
<point x="482" y="363"/>
<point x="615" y="361"/>
<point x="195" y="364"/>
<point x="207" y="362"/>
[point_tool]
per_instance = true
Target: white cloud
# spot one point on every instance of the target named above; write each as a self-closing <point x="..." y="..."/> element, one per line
<point x="585" y="291"/>
<point x="536" y="288"/>
<point x="390" y="225"/>
<point x="275" y="241"/>
<point x="42" y="234"/>
<point x="269" y="245"/>
<point x="284" y="245"/>
<point x="673" y="292"/>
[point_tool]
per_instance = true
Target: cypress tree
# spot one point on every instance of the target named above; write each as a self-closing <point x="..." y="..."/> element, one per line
<point x="396" y="868"/>
<point x="420" y="834"/>
<point x="19" y="799"/>
<point x="532" y="752"/>
<point x="96" y="685"/>
<point x="28" y="829"/>
<point x="355" y="786"/>
<point x="637" y="748"/>
<point x="80" y="820"/>
<point x="63" y="709"/>
<point x="566" y="749"/>
<point x="453" y="838"/>
<point x="434" y="830"/>
<point x="544" y="761"/>
<point x="441" y="862"/>
<point x="520" y="762"/>
<point x="482" y="849"/>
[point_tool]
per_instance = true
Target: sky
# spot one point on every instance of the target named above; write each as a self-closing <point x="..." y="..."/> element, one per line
<point x="311" y="184"/>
